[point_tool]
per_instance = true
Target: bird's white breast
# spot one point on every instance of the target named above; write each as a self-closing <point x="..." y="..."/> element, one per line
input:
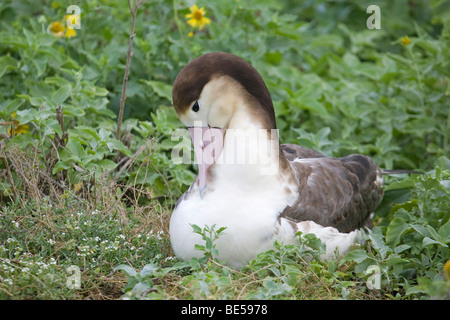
<point x="249" y="211"/>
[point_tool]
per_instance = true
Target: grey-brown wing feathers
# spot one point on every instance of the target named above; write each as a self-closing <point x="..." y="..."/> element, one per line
<point x="293" y="151"/>
<point x="335" y="192"/>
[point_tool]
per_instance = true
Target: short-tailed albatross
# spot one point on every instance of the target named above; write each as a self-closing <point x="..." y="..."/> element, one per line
<point x="259" y="190"/>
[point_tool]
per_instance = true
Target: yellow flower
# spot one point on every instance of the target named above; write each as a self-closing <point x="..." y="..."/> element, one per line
<point x="197" y="17"/>
<point x="77" y="186"/>
<point x="190" y="34"/>
<point x="17" y="129"/>
<point x="447" y="270"/>
<point x="57" y="29"/>
<point x="71" y="20"/>
<point x="406" y="41"/>
<point x="70" y="33"/>
<point x="74" y="19"/>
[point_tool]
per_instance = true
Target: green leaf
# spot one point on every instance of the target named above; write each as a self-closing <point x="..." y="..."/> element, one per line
<point x="357" y="255"/>
<point x="314" y="106"/>
<point x="196" y="229"/>
<point x="149" y="269"/>
<point x="395" y="231"/>
<point x="428" y="241"/>
<point x="27" y="115"/>
<point x="76" y="150"/>
<point x="395" y="260"/>
<point x="114" y="144"/>
<point x="40" y="62"/>
<point x="420" y="126"/>
<point x="401" y="248"/>
<point x="406" y="183"/>
<point x="60" y="95"/>
<point x="8" y="107"/>
<point x="162" y="89"/>
<point x="34" y="101"/>
<point x="61" y="165"/>
<point x="106" y="164"/>
<point x="52" y="126"/>
<point x="444" y="232"/>
<point x="129" y="271"/>
<point x="73" y="111"/>
<point x="7" y="63"/>
<point x="140" y="288"/>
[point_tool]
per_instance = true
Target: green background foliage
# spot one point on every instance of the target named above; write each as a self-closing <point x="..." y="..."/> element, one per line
<point x="337" y="87"/>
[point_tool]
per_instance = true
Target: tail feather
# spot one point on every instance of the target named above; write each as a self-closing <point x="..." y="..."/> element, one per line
<point x="400" y="171"/>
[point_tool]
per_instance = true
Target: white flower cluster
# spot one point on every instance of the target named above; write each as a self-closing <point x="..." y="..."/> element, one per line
<point x="27" y="266"/>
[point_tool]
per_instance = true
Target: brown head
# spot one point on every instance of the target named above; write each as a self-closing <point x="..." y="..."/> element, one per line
<point x="217" y="82"/>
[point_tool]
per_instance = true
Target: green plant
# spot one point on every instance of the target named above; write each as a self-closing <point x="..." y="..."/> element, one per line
<point x="412" y="245"/>
<point x="209" y="235"/>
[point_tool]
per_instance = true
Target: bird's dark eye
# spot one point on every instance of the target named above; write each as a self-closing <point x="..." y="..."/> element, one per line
<point x="195" y="107"/>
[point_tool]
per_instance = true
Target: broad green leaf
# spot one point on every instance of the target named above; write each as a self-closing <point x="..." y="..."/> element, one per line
<point x="60" y="95"/>
<point x="27" y="115"/>
<point x="52" y="126"/>
<point x="401" y="248"/>
<point x="395" y="260"/>
<point x="129" y="271"/>
<point x="428" y="241"/>
<point x="162" y="89"/>
<point x="406" y="183"/>
<point x="73" y="111"/>
<point x="8" y="107"/>
<point x="444" y="232"/>
<point x="140" y="288"/>
<point x="75" y="149"/>
<point x="94" y="90"/>
<point x="149" y="269"/>
<point x="395" y="231"/>
<point x="7" y="63"/>
<point x="60" y="165"/>
<point x="114" y="144"/>
<point x="40" y="62"/>
<point x="420" y="126"/>
<point x="379" y="244"/>
<point x="357" y="255"/>
<point x="34" y="101"/>
<point x="13" y="40"/>
<point x="106" y="164"/>
<point x="314" y="106"/>
<point x="90" y="131"/>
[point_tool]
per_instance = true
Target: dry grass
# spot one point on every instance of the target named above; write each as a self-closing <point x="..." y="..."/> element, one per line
<point x="45" y="206"/>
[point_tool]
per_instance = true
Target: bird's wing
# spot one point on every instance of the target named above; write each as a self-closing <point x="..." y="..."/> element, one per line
<point x="335" y="192"/>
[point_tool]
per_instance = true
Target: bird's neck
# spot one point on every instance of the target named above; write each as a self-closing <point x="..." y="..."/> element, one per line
<point x="251" y="150"/>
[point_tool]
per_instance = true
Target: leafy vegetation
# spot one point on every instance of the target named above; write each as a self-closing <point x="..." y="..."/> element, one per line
<point x="72" y="194"/>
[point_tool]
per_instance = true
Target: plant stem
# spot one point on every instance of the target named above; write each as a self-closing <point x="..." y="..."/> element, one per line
<point x="127" y="67"/>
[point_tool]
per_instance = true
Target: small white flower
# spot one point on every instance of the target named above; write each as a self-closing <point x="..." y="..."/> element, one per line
<point x="169" y="258"/>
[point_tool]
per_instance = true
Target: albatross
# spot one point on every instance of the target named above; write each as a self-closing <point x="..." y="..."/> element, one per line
<point x="256" y="188"/>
